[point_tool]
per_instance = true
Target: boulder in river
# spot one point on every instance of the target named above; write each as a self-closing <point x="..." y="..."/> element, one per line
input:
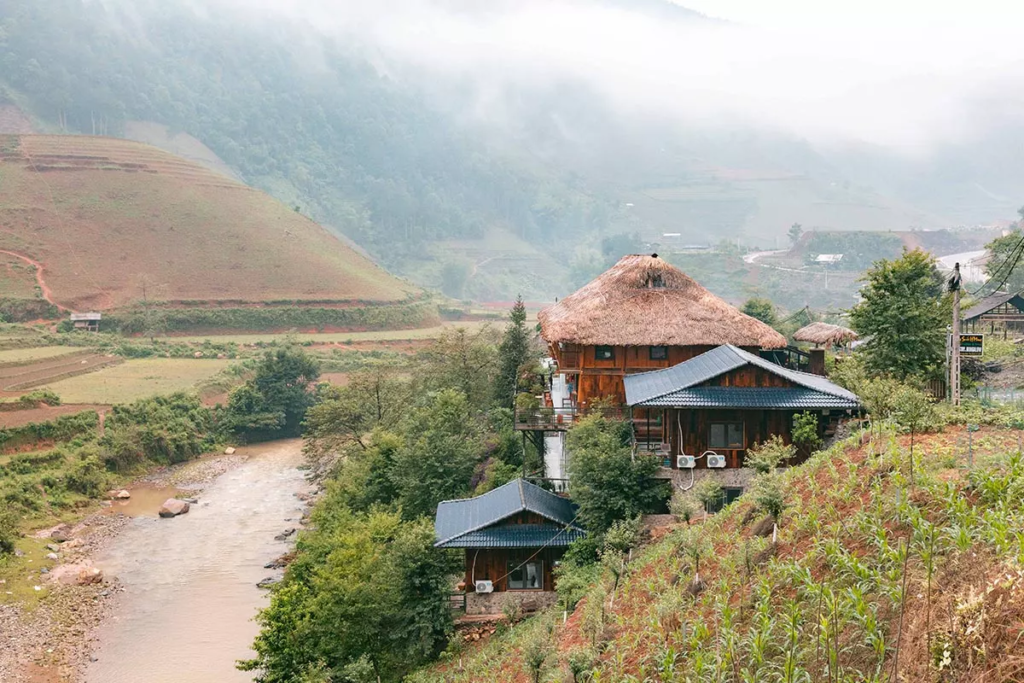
<point x="173" y="507"/>
<point x="267" y="582"/>
<point x="283" y="536"/>
<point x="123" y="494"/>
<point x="229" y="450"/>
<point x="61" y="533"/>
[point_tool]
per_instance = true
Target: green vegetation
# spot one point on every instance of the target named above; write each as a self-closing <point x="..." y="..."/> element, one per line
<point x="273" y="403"/>
<point x="273" y="318"/>
<point x="762" y="309"/>
<point x="609" y="482"/>
<point x="515" y="355"/>
<point x="60" y="429"/>
<point x="860" y="249"/>
<point x="1004" y="253"/>
<point x="904" y="310"/>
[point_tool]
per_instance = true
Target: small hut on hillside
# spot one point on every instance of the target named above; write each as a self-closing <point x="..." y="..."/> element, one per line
<point x="824" y="336"/>
<point x="642" y="314"/>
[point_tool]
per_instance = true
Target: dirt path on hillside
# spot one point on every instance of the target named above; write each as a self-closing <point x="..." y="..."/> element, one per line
<point x="47" y="294"/>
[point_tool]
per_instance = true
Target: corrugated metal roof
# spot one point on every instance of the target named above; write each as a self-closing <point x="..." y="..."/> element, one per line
<point x="644" y="388"/>
<point x="458" y="517"/>
<point x="517" y="536"/>
<point x="779" y="398"/>
<point x="991" y="302"/>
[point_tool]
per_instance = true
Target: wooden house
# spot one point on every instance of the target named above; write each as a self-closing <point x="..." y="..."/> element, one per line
<point x="724" y="401"/>
<point x="1003" y="311"/>
<point x="86" y="322"/>
<point x="513" y="538"/>
<point x="642" y="314"/>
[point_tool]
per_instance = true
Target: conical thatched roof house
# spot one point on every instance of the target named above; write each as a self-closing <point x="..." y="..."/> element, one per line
<point x="640" y="315"/>
<point x="644" y="301"/>
<point x="825" y="334"/>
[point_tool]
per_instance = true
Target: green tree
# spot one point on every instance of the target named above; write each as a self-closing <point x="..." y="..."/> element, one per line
<point x="8" y="531"/>
<point x="762" y="309"/>
<point x="904" y="312"/>
<point x="442" y="448"/>
<point x="274" y="402"/>
<point x="514" y="355"/>
<point x="914" y="410"/>
<point x="805" y="431"/>
<point x="365" y="588"/>
<point x="609" y="482"/>
<point x="1002" y="250"/>
<point x="462" y="360"/>
<point x="795" y="231"/>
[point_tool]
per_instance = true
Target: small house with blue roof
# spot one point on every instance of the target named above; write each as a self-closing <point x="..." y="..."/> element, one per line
<point x="724" y="401"/>
<point x="513" y="538"/>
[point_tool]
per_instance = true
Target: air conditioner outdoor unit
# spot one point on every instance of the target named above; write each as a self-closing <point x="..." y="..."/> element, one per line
<point x="686" y="462"/>
<point x="484" y="587"/>
<point x="716" y="461"/>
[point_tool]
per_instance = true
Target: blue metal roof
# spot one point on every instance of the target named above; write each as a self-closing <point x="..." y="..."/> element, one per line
<point x="654" y="388"/>
<point x="775" y="398"/>
<point x="456" y="518"/>
<point x="517" y="536"/>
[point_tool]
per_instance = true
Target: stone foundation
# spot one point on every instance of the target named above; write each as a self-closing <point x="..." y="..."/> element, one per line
<point x="494" y="603"/>
<point x="742" y="477"/>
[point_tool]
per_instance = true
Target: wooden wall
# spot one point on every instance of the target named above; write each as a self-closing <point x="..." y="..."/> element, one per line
<point x="492" y="564"/>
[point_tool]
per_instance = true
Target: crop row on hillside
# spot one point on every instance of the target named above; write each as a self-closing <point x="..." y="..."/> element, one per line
<point x="883" y="569"/>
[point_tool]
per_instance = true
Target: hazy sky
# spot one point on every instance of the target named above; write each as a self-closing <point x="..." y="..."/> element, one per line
<point x="861" y="14"/>
<point x="900" y="73"/>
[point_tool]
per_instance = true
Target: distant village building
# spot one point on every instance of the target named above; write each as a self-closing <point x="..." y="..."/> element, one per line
<point x="86" y="322"/>
<point x="513" y="538"/>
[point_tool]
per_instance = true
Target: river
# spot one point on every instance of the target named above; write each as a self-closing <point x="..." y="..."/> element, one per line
<point x="190" y="595"/>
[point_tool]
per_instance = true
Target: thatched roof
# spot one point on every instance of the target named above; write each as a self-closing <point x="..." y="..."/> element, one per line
<point x="644" y="301"/>
<point x="826" y="334"/>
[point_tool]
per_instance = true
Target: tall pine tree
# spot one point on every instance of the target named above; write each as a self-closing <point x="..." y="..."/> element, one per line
<point x="513" y="355"/>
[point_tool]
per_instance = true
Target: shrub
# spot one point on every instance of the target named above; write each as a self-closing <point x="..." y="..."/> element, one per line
<point x="86" y="477"/>
<point x="765" y="457"/>
<point x="769" y="496"/>
<point x="682" y="507"/>
<point x="8" y="531"/>
<point x="45" y="396"/>
<point x="708" y="491"/>
<point x="805" y="431"/>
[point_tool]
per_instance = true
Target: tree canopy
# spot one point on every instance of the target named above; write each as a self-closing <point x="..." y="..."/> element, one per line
<point x="903" y="312"/>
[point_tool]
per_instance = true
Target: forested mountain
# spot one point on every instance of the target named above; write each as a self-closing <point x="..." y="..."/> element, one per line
<point x="485" y="188"/>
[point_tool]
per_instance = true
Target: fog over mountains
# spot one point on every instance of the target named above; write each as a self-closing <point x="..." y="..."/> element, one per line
<point x="505" y="133"/>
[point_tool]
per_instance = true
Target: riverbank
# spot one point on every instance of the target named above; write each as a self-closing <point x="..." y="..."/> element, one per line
<point x="79" y="633"/>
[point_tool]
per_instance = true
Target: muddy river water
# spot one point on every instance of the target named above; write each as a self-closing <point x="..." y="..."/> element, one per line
<point x="190" y="595"/>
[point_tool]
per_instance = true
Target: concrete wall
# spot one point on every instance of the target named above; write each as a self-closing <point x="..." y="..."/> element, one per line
<point x="494" y="603"/>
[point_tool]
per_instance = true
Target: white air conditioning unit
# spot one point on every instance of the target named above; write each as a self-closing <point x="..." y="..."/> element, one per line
<point x="484" y="587"/>
<point x="686" y="462"/>
<point x="715" y="461"/>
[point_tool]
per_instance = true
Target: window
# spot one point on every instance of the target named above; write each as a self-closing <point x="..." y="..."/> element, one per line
<point x="728" y="497"/>
<point x="726" y="435"/>
<point x="525" y="577"/>
<point x="604" y="353"/>
<point x="659" y="353"/>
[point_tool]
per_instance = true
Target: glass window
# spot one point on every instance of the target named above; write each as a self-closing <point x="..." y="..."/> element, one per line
<point x="525" y="577"/>
<point x="604" y="353"/>
<point x="728" y="497"/>
<point x="659" y="353"/>
<point x="727" y="435"/>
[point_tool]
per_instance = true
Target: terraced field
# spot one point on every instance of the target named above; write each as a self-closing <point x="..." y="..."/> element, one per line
<point x="112" y="220"/>
<point x="19" y="377"/>
<point x="135" y="379"/>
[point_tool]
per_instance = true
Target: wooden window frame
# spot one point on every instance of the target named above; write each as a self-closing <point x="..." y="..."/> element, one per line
<point x="663" y="351"/>
<point x="610" y="351"/>
<point x="729" y="445"/>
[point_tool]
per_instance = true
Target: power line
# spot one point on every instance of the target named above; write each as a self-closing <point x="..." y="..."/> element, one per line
<point x="1014" y="255"/>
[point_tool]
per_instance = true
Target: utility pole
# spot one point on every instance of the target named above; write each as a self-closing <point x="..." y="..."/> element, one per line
<point x="954" y="365"/>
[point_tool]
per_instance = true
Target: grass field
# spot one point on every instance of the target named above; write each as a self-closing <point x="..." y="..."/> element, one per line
<point x="38" y="353"/>
<point x="342" y="337"/>
<point x="137" y="379"/>
<point x="17" y="278"/>
<point x="107" y="217"/>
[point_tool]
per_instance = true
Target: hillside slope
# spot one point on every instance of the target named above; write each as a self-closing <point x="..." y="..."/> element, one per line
<point x="877" y="574"/>
<point x="112" y="221"/>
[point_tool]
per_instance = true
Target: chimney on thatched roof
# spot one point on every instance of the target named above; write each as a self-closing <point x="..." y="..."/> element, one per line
<point x="824" y="334"/>
<point x="644" y="301"/>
